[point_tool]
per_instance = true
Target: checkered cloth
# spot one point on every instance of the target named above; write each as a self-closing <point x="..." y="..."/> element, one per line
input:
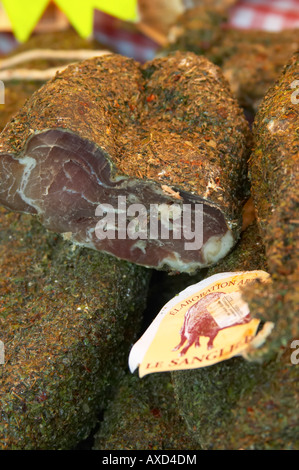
<point x="128" y="42"/>
<point x="269" y="15"/>
<point x="7" y="43"/>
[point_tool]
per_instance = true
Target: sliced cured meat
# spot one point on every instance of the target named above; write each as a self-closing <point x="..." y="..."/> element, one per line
<point x="147" y="163"/>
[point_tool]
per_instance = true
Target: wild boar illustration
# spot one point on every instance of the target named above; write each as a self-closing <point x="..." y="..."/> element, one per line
<point x="199" y="322"/>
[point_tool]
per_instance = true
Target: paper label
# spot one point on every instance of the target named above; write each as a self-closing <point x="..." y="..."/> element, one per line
<point x="206" y="323"/>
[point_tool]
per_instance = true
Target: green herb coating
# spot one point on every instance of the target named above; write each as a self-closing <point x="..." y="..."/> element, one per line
<point x="274" y="173"/>
<point x="68" y="317"/>
<point x="251" y="60"/>
<point x="144" y="416"/>
<point x="18" y="91"/>
<point x="238" y="404"/>
<point x="173" y="115"/>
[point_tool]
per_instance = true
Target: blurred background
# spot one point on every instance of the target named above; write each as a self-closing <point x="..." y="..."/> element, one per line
<point x="142" y="36"/>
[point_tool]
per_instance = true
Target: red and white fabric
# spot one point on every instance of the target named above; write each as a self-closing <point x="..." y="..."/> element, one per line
<point x="268" y="15"/>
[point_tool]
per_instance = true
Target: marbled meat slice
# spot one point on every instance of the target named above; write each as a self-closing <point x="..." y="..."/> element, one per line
<point x="131" y="138"/>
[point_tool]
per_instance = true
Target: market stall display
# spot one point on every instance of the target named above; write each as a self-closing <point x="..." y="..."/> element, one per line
<point x="132" y="131"/>
<point x="194" y="103"/>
